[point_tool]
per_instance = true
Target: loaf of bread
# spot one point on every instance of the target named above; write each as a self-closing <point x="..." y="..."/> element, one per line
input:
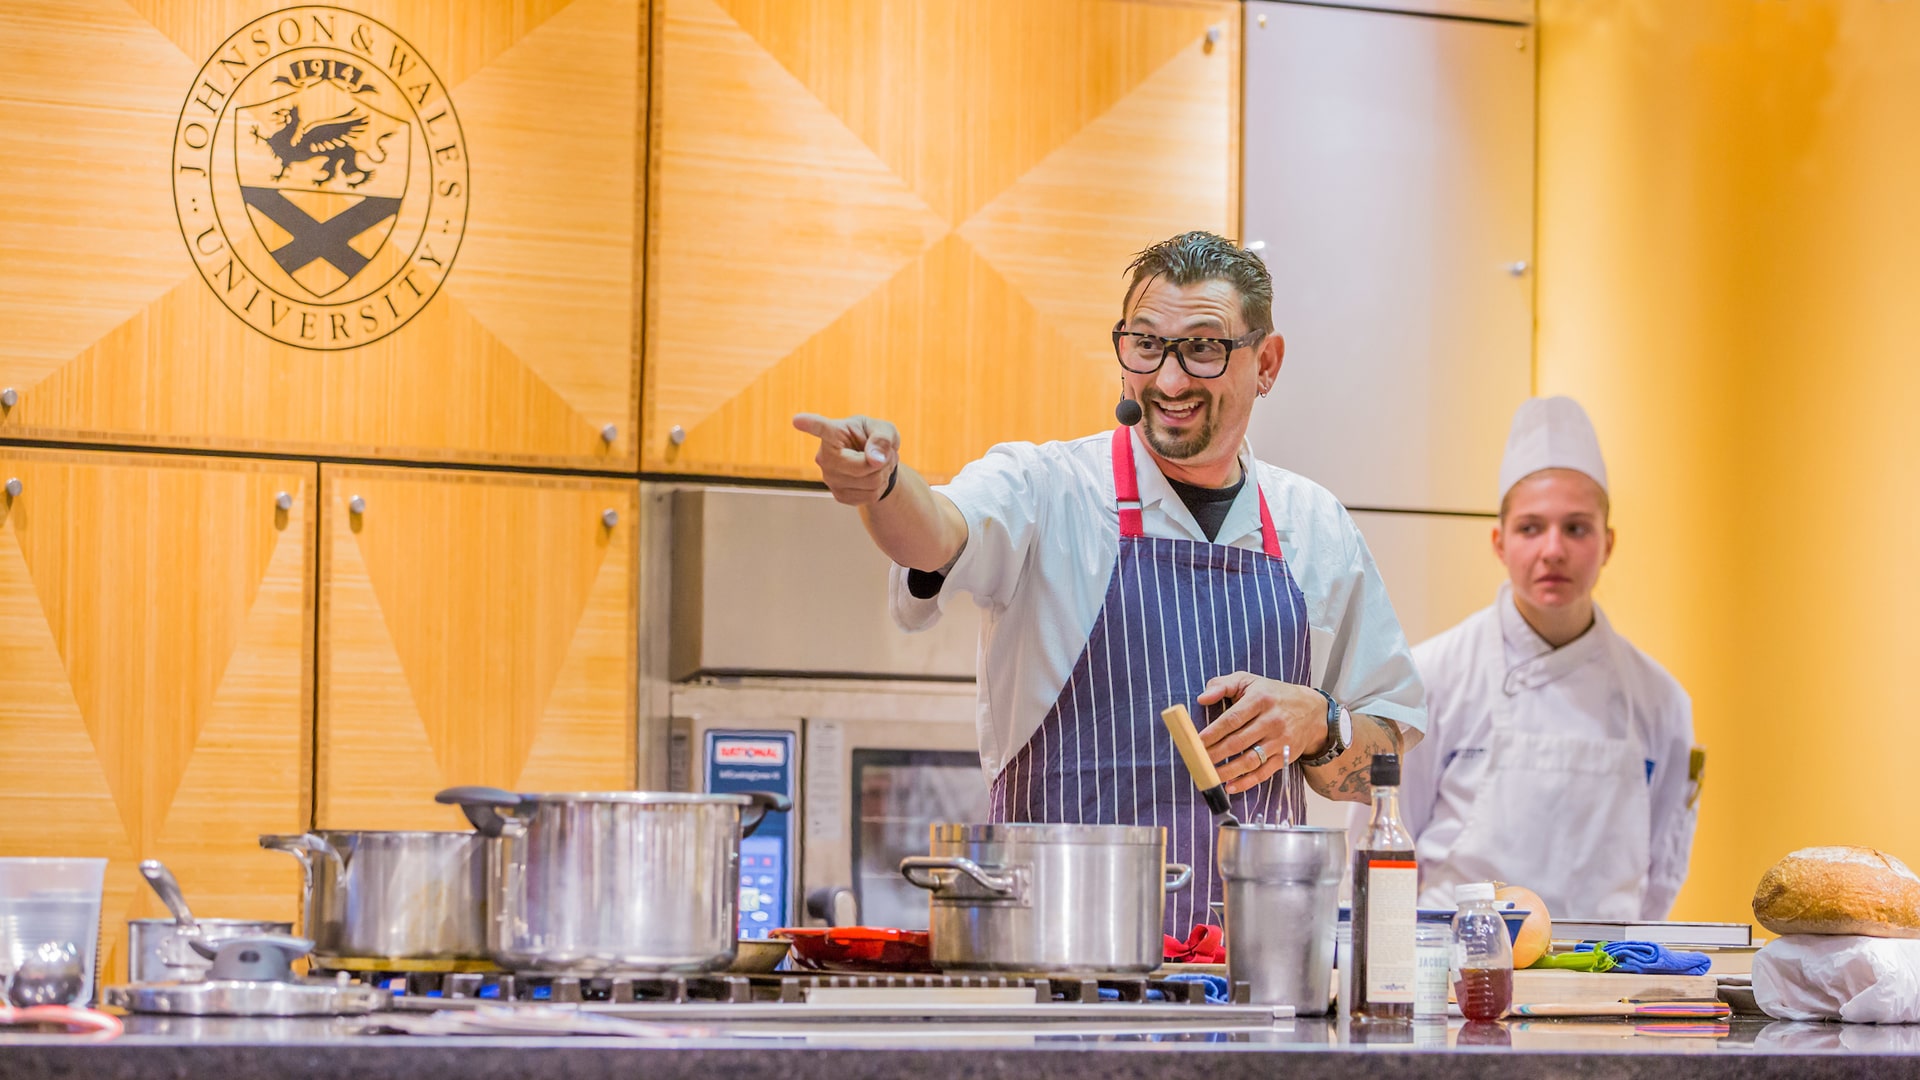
<point x="1839" y="890"/>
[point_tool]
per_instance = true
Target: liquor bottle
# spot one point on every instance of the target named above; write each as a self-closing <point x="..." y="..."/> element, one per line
<point x="1386" y="885"/>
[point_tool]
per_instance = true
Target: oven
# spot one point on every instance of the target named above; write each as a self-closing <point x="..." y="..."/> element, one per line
<point x="869" y="771"/>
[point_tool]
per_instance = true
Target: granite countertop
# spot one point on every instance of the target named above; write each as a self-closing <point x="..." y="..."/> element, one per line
<point x="157" y="1047"/>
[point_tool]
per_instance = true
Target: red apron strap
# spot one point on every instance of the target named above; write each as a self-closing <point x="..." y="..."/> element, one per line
<point x="1126" y="491"/>
<point x="1126" y="484"/>
<point x="1269" y="539"/>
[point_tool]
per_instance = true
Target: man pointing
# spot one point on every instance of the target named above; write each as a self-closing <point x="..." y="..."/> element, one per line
<point x="1133" y="569"/>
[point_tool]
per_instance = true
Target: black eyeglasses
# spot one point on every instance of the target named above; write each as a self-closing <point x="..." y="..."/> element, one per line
<point x="1200" y="357"/>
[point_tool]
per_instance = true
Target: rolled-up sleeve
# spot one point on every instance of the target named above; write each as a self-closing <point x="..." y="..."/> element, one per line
<point x="1369" y="667"/>
<point x="996" y="496"/>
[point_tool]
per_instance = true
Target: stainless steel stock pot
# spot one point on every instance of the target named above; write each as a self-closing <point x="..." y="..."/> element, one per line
<point x="1283" y="898"/>
<point x="1082" y="899"/>
<point x="381" y="896"/>
<point x="608" y="882"/>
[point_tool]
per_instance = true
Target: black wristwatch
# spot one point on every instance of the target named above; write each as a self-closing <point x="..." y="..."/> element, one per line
<point x="1335" y="744"/>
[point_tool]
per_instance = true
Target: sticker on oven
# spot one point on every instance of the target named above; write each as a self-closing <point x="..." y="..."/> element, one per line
<point x="751" y="752"/>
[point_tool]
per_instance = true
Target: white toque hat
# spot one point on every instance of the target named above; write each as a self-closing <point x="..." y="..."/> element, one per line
<point x="1550" y="433"/>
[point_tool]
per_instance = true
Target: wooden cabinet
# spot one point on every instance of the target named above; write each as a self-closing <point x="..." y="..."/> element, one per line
<point x="915" y="209"/>
<point x="460" y="285"/>
<point x="474" y="629"/>
<point x="156" y="625"/>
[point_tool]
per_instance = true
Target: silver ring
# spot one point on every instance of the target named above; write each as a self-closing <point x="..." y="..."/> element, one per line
<point x="1261" y="754"/>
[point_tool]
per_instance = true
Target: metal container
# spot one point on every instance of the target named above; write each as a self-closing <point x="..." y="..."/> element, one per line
<point x="384" y="896"/>
<point x="614" y="882"/>
<point x="1067" y="899"/>
<point x="1283" y="898"/>
<point x="158" y="949"/>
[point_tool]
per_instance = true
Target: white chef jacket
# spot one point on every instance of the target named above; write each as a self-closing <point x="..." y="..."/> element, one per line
<point x="1043" y="535"/>
<point x="1439" y="783"/>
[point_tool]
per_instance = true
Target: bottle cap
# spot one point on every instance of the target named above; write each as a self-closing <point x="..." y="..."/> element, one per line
<point x="1473" y="890"/>
<point x="1386" y="770"/>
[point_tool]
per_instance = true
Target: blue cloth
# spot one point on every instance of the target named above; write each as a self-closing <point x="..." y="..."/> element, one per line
<point x="1218" y="992"/>
<point x="1648" y="958"/>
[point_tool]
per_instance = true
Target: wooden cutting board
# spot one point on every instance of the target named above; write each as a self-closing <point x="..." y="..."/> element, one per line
<point x="1572" y="987"/>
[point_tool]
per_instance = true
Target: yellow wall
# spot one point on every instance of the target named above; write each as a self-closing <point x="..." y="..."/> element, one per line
<point x="1729" y="251"/>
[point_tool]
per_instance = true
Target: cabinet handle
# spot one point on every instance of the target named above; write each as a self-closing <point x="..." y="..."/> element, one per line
<point x="676" y="434"/>
<point x="283" y="500"/>
<point x="356" y="505"/>
<point x="610" y="517"/>
<point x="9" y="397"/>
<point x="1517" y="269"/>
<point x="609" y="433"/>
<point x="13" y="487"/>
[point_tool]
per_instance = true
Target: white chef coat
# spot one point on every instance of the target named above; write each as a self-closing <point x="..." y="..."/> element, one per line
<point x="1043" y="535"/>
<point x="1463" y="674"/>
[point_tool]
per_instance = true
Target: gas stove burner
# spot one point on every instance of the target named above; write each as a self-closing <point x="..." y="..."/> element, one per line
<point x="416" y="989"/>
<point x="561" y="989"/>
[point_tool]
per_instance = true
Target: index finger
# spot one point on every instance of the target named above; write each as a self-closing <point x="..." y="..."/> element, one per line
<point x="812" y="423"/>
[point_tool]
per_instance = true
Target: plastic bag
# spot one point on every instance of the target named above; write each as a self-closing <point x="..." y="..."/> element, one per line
<point x="1860" y="980"/>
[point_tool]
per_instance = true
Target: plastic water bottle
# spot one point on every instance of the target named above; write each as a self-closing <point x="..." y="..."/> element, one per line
<point x="1482" y="955"/>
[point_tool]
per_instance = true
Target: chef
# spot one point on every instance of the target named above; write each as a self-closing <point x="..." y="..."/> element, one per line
<point x="1556" y="754"/>
<point x="1149" y="565"/>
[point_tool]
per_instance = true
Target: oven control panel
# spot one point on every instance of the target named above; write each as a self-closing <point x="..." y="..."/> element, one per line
<point x="739" y="761"/>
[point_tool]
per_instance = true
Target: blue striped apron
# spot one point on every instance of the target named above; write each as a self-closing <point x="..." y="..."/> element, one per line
<point x="1177" y="613"/>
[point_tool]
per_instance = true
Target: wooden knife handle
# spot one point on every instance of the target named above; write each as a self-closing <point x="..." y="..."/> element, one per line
<point x="1192" y="750"/>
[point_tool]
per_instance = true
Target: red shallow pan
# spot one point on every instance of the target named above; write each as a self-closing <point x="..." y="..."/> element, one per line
<point x="857" y="948"/>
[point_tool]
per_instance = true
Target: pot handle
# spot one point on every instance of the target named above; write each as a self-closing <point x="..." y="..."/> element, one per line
<point x="306" y="847"/>
<point x="762" y="803"/>
<point x="482" y="805"/>
<point x="1179" y="876"/>
<point x="918" y="870"/>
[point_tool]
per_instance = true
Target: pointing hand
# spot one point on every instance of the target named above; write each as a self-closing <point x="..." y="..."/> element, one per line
<point x="857" y="455"/>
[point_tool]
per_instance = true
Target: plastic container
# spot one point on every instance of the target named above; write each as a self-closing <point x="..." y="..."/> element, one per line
<point x="1482" y="965"/>
<point x="1432" y="965"/>
<point x="44" y="900"/>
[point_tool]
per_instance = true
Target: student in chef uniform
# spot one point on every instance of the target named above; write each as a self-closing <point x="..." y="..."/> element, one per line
<point x="1556" y="754"/>
<point x="1136" y="568"/>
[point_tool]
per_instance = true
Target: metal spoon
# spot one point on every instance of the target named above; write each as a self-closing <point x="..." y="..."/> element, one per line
<point x="51" y="975"/>
<point x="163" y="883"/>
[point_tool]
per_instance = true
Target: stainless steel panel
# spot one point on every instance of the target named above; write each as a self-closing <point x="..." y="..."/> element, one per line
<point x="785" y="582"/>
<point x="1389" y="175"/>
<point x="1511" y="11"/>
<point x="1439" y="568"/>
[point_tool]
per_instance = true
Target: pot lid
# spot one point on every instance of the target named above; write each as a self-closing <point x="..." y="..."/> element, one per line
<point x="236" y="997"/>
<point x="669" y="797"/>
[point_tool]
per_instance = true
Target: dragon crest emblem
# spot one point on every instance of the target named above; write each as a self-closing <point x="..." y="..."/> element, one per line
<point x="320" y="177"/>
<point x="330" y="141"/>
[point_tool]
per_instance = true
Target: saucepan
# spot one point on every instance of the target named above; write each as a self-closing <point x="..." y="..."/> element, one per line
<point x="374" y="896"/>
<point x="161" y="950"/>
<point x="593" y="883"/>
<point x="1073" y="899"/>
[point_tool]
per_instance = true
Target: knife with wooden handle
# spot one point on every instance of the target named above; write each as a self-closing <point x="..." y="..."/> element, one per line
<point x="1199" y="764"/>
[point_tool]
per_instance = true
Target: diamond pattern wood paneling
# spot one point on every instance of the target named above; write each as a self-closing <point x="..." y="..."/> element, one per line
<point x="474" y="630"/>
<point x="109" y="333"/>
<point x="155" y="634"/>
<point x="1050" y="140"/>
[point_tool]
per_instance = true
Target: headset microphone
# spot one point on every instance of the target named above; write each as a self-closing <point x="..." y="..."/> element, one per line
<point x="1128" y="411"/>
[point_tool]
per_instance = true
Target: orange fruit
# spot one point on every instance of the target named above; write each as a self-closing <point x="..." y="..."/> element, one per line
<point x="1535" y="932"/>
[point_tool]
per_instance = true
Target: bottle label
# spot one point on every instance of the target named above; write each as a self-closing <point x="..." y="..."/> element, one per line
<point x="1393" y="887"/>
